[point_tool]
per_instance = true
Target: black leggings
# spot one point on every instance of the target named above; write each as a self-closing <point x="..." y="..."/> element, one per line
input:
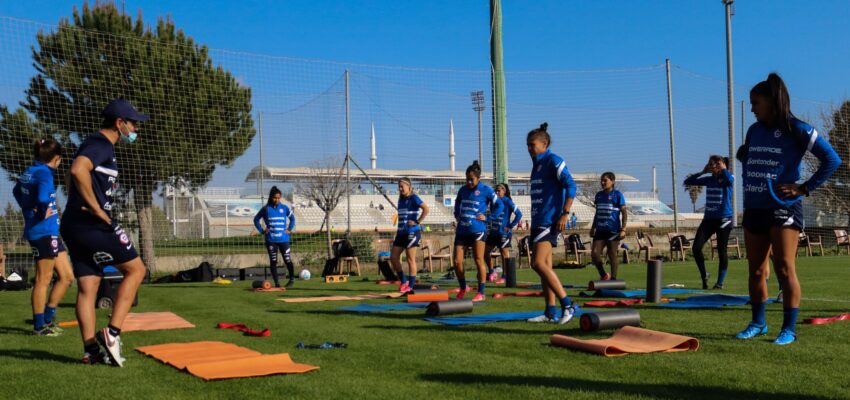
<point x="272" y="248"/>
<point x="708" y="227"/>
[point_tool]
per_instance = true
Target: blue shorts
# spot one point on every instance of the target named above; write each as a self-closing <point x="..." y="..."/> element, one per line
<point x="46" y="247"/>
<point x="759" y="220"/>
<point x="501" y="239"/>
<point x="607" y="236"/>
<point x="469" y="239"/>
<point x="407" y="240"/>
<point x="545" y="234"/>
<point x="94" y="246"/>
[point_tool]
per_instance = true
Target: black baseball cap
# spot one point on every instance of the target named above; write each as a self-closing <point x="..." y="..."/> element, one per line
<point x="121" y="108"/>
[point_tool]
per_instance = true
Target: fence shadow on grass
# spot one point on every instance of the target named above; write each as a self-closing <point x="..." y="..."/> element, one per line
<point x="613" y="389"/>
<point x="30" y="355"/>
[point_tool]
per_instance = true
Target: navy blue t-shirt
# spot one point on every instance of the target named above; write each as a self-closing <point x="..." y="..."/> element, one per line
<point x="104" y="177"/>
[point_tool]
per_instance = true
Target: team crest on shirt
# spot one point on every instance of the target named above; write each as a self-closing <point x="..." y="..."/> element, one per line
<point x="777" y="133"/>
<point x="477" y="192"/>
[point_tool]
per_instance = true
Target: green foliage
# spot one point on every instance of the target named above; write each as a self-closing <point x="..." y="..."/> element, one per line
<point x="11" y="225"/>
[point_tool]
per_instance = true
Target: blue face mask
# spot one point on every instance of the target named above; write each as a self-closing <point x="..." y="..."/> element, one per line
<point x="129" y="137"/>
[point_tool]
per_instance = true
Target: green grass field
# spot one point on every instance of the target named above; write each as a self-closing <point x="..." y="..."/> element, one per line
<point x="398" y="355"/>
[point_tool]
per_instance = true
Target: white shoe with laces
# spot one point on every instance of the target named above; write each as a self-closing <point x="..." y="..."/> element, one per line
<point x="112" y="344"/>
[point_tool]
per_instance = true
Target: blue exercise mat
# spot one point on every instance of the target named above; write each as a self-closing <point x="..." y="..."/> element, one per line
<point x="488" y="318"/>
<point x="710" y="301"/>
<point x="368" y="308"/>
<point x="633" y="293"/>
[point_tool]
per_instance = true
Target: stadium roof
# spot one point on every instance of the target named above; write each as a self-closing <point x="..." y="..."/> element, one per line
<point x="299" y="173"/>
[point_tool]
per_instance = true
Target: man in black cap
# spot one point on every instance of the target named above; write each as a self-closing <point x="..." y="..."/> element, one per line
<point x="93" y="239"/>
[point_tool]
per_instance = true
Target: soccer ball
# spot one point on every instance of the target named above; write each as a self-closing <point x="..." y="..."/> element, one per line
<point x="305" y="274"/>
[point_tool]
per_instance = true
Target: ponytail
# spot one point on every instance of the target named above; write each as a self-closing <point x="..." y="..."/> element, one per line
<point x="46" y="149"/>
<point x="775" y="90"/>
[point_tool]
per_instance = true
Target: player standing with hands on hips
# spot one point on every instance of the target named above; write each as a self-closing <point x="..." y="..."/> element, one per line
<point x="94" y="240"/>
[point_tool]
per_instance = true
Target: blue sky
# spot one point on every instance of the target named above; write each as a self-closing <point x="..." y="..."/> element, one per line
<point x="805" y="41"/>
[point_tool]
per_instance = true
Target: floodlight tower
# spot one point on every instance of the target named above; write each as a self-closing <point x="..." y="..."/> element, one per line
<point x="478" y="106"/>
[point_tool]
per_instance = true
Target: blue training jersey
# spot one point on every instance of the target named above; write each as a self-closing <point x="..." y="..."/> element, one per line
<point x="278" y="219"/>
<point x="408" y="210"/>
<point x="773" y="157"/>
<point x="498" y="222"/>
<point x="472" y="202"/>
<point x="608" y="204"/>
<point x="104" y="178"/>
<point x="36" y="194"/>
<point x="551" y="186"/>
<point x="718" y="193"/>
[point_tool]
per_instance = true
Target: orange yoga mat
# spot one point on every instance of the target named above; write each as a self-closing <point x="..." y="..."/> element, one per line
<point x="149" y="321"/>
<point x="154" y="321"/>
<point x="273" y="289"/>
<point x="428" y="297"/>
<point x="628" y="340"/>
<point x="390" y="295"/>
<point x="219" y="360"/>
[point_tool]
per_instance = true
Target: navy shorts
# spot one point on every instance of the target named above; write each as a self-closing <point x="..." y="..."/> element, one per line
<point x="93" y="247"/>
<point x="501" y="240"/>
<point x="46" y="247"/>
<point x="545" y="234"/>
<point x="469" y="239"/>
<point x="407" y="240"/>
<point x="759" y="220"/>
<point x="607" y="236"/>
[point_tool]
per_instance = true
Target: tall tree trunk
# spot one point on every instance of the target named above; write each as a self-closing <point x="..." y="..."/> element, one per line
<point x="328" y="230"/>
<point x="142" y="199"/>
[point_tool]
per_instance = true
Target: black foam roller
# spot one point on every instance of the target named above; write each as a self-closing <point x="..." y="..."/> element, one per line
<point x="590" y="322"/>
<point x="613" y="284"/>
<point x="510" y="273"/>
<point x="258" y="284"/>
<point x="425" y="286"/>
<point x="449" y="307"/>
<point x="653" y="281"/>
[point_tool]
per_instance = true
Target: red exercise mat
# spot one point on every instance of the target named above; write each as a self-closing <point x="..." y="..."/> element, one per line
<point x="613" y="304"/>
<point x="827" y="320"/>
<point x="517" y="294"/>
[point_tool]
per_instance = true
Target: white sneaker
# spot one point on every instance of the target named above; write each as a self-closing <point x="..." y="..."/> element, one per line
<point x="539" y="318"/>
<point x="112" y="344"/>
<point x="568" y="313"/>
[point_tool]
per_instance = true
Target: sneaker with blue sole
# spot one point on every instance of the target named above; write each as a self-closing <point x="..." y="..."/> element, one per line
<point x="567" y="313"/>
<point x="785" y="337"/>
<point x="752" y="331"/>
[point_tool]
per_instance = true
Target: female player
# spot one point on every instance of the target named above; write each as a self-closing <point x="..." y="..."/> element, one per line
<point x="472" y="202"/>
<point x="409" y="233"/>
<point x="719" y="184"/>
<point x="501" y="230"/>
<point x="552" y="194"/>
<point x="607" y="229"/>
<point x="773" y="212"/>
<point x="36" y="194"/>
<point x="279" y="222"/>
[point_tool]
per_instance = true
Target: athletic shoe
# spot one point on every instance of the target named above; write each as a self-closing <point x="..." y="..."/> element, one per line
<point x="752" y="331"/>
<point x="718" y="286"/>
<point x="567" y="313"/>
<point x="493" y="277"/>
<point x="99" y="358"/>
<point x="55" y="326"/>
<point x="461" y="293"/>
<point x="479" y="297"/>
<point x="541" y="318"/>
<point x="779" y="297"/>
<point x="785" y="337"/>
<point x="46" y="331"/>
<point x="112" y="344"/>
<point x="605" y="277"/>
<point x="404" y="288"/>
<point x="289" y="284"/>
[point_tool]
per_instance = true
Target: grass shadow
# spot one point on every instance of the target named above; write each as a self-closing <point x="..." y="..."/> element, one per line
<point x="434" y="327"/>
<point x="614" y="389"/>
<point x="13" y="330"/>
<point x="29" y="355"/>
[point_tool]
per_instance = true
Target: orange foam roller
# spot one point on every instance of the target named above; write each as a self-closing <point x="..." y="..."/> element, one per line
<point x="429" y="296"/>
<point x="261" y="284"/>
